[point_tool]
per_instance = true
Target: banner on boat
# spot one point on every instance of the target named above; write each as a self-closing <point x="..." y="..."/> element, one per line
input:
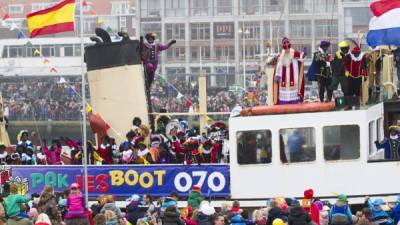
<point x="159" y="180"/>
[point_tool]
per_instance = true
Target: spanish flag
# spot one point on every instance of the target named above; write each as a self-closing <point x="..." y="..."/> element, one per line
<point x="56" y="19"/>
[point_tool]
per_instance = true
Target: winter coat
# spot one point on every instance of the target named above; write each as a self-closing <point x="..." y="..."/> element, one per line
<point x="203" y="219"/>
<point x="314" y="213"/>
<point x="75" y="206"/>
<point x="12" y="202"/>
<point x="111" y="206"/>
<point x="297" y="216"/>
<point x="341" y="210"/>
<point x="171" y="218"/>
<point x="237" y="219"/>
<point x="48" y="205"/>
<point x="194" y="199"/>
<point x="275" y="213"/>
<point x="387" y="146"/>
<point x="396" y="213"/>
<point x="134" y="212"/>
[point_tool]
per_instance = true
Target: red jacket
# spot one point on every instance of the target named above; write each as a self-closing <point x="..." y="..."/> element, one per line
<point x="314" y="213"/>
<point x="356" y="66"/>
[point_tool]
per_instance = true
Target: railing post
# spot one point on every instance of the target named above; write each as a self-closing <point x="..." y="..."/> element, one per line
<point x="202" y="101"/>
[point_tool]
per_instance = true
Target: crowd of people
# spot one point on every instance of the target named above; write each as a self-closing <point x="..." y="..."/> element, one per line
<point x="69" y="207"/>
<point x="41" y="99"/>
<point x="172" y="141"/>
<point x="59" y="98"/>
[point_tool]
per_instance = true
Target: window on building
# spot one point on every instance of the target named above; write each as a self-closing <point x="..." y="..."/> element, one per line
<point x="200" y="31"/>
<point x="120" y="8"/>
<point x="254" y="147"/>
<point x="300" y="6"/>
<point x="176" y="54"/>
<point x="89" y="24"/>
<point x="297" y="144"/>
<point x="326" y="28"/>
<point x="66" y="50"/>
<point x="203" y="50"/>
<point x="341" y="142"/>
<point x="325" y="6"/>
<point x="200" y="7"/>
<point x="122" y="22"/>
<point x="196" y="70"/>
<point x="175" y="8"/>
<point x="225" y="52"/>
<point x="223" y="7"/>
<point x="254" y="29"/>
<point x="48" y="50"/>
<point x="175" y="31"/>
<point x="175" y="70"/>
<point x="5" y="52"/>
<point x="15" y="8"/>
<point x="300" y="28"/>
<point x="40" y="6"/>
<point x="15" y="51"/>
<point x="272" y="6"/>
<point x="77" y="50"/>
<point x="150" y="8"/>
<point x="112" y="22"/>
<point x="250" y="7"/>
<point x="151" y="27"/>
<point x="30" y="51"/>
<point x="251" y="50"/>
<point x="306" y="45"/>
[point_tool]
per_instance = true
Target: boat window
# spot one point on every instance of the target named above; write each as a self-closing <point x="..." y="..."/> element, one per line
<point x="297" y="145"/>
<point x="254" y="147"/>
<point x="371" y="129"/>
<point x="341" y="142"/>
<point x="379" y="124"/>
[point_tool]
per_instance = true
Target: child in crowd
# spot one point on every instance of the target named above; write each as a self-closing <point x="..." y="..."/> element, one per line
<point x="76" y="214"/>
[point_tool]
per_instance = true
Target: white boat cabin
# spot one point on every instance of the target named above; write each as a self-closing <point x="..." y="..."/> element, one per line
<point x="330" y="152"/>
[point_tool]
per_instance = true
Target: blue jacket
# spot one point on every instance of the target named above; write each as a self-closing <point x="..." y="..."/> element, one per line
<point x="385" y="144"/>
<point x="345" y="210"/>
<point x="237" y="219"/>
<point x="396" y="213"/>
<point x="377" y="213"/>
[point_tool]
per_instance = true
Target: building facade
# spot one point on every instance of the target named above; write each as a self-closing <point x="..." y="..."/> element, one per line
<point x="221" y="36"/>
<point x="225" y="38"/>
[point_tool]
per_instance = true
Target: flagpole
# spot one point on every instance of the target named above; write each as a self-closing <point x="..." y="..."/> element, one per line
<point x="85" y="156"/>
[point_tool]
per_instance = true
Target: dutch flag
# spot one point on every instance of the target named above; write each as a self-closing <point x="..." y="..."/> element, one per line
<point x="384" y="27"/>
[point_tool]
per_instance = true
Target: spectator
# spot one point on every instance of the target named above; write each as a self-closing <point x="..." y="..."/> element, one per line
<point x="297" y="216"/>
<point x="13" y="201"/>
<point x="195" y="197"/>
<point x="340" y="212"/>
<point x="100" y="219"/>
<point x="206" y="211"/>
<point x="110" y="205"/>
<point x="133" y="210"/>
<point x="379" y="215"/>
<point x="111" y="218"/>
<point x="43" y="219"/>
<point x="48" y="205"/>
<point x="219" y="219"/>
<point x="171" y="216"/>
<point x="396" y="211"/>
<point x="365" y="218"/>
<point x="76" y="214"/>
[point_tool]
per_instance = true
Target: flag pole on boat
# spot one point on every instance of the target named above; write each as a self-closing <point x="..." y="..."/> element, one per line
<point x="84" y="144"/>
